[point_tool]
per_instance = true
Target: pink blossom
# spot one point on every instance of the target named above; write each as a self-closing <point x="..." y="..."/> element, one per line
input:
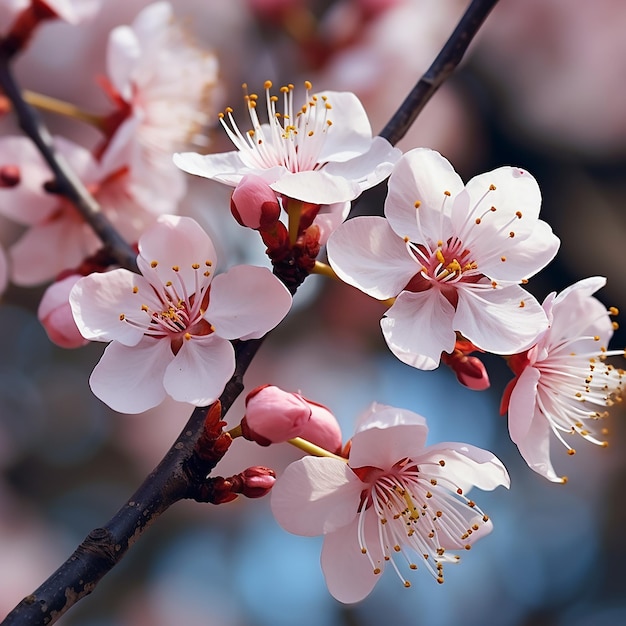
<point x="170" y="327"/>
<point x="321" y="152"/>
<point x="161" y="83"/>
<point x="58" y="238"/>
<point x="563" y="382"/>
<point x="453" y="256"/>
<point x="55" y="314"/>
<point x="393" y="496"/>
<point x="322" y="429"/>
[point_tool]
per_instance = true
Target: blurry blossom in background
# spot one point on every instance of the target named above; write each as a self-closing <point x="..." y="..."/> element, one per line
<point x="532" y="93"/>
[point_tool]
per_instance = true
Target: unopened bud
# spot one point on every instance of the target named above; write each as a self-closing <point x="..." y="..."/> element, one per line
<point x="470" y="370"/>
<point x="256" y="482"/>
<point x="10" y="176"/>
<point x="274" y="415"/>
<point x="55" y="314"/>
<point x="322" y="429"/>
<point x="254" y="203"/>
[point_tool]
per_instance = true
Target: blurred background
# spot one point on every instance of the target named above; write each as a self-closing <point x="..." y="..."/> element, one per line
<point x="543" y="87"/>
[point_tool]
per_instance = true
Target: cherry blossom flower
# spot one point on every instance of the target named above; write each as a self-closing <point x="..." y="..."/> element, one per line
<point x="58" y="238"/>
<point x="170" y="328"/>
<point x="563" y="382"/>
<point x="452" y="256"/>
<point x="322" y="152"/>
<point x="394" y="497"/>
<point x="161" y="83"/>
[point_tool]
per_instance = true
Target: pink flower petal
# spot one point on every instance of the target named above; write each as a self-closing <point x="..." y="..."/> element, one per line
<point x="176" y="241"/>
<point x="421" y="175"/>
<point x="200" y="370"/>
<point x="367" y="254"/>
<point x="123" y="52"/>
<point x="349" y="575"/>
<point x="316" y="186"/>
<point x="130" y="379"/>
<point x="496" y="321"/>
<point x="522" y="404"/>
<point x="247" y="302"/>
<point x="510" y="190"/>
<point x="98" y="301"/>
<point x="316" y="496"/>
<point x="465" y="466"/>
<point x="523" y="259"/>
<point x="420" y="325"/>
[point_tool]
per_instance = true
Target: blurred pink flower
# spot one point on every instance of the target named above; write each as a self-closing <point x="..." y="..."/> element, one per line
<point x="453" y="257"/>
<point x="161" y="83"/>
<point x="171" y="327"/>
<point x="563" y="379"/>
<point x="55" y="314"/>
<point x="322" y="152"/>
<point x="392" y="496"/>
<point x="58" y="238"/>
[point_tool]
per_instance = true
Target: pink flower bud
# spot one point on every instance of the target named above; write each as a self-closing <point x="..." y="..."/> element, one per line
<point x="56" y="316"/>
<point x="256" y="481"/>
<point x="470" y="370"/>
<point x="274" y="415"/>
<point x="322" y="429"/>
<point x="254" y="203"/>
<point x="10" y="176"/>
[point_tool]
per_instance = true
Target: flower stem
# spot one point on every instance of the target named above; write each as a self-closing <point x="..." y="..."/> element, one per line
<point x="294" y="210"/>
<point x="312" y="449"/>
<point x="324" y="270"/>
<point x="60" y="107"/>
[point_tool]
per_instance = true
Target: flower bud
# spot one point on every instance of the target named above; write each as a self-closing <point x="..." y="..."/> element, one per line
<point x="55" y="314"/>
<point x="256" y="481"/>
<point x="254" y="203"/>
<point x="470" y="370"/>
<point x="274" y="415"/>
<point x="322" y="429"/>
<point x="10" y="176"/>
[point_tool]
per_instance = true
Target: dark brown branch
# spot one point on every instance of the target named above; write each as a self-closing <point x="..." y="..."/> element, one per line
<point x="66" y="181"/>
<point x="440" y="70"/>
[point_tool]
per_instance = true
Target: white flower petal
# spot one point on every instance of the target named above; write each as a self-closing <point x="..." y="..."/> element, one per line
<point x="522" y="259"/>
<point x="523" y="403"/>
<point x="225" y="167"/>
<point x="465" y="466"/>
<point x="348" y="572"/>
<point x="99" y="300"/>
<point x="367" y="254"/>
<point x="316" y="495"/>
<point x="247" y="302"/>
<point x="495" y="320"/>
<point x="130" y="379"/>
<point x="511" y="191"/>
<point x="316" y="187"/>
<point x="419" y="325"/>
<point x="200" y="370"/>
<point x="176" y="241"/>
<point x="421" y="175"/>
<point x="123" y="52"/>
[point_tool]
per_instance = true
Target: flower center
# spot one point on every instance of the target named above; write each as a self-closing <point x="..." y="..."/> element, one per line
<point x="180" y="314"/>
<point x="292" y="139"/>
<point x="415" y="515"/>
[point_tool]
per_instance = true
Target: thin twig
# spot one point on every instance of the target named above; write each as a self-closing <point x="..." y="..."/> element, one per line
<point x="67" y="183"/>
<point x="440" y="70"/>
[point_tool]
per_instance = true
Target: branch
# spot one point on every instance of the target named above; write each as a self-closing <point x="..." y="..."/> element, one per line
<point x="67" y="182"/>
<point x="440" y="70"/>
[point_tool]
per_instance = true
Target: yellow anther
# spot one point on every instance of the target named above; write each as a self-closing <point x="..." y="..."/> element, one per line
<point x="187" y="336"/>
<point x="522" y="304"/>
<point x="135" y="289"/>
<point x="440" y="256"/>
<point x="447" y="193"/>
<point x="492" y="187"/>
<point x="145" y="308"/>
<point x="308" y="84"/>
<point x="613" y="310"/>
<point x="418" y="204"/>
<point x="503" y="258"/>
<point x="511" y="234"/>
<point x="153" y="264"/>
<point x="478" y="220"/>
<point x="122" y="317"/>
<point x="195" y="266"/>
<point x="267" y="84"/>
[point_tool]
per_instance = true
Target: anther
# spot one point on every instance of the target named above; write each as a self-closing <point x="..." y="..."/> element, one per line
<point x="492" y="187"/>
<point x="153" y="264"/>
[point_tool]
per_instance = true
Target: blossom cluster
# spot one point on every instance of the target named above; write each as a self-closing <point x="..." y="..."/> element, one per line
<point x="450" y="261"/>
